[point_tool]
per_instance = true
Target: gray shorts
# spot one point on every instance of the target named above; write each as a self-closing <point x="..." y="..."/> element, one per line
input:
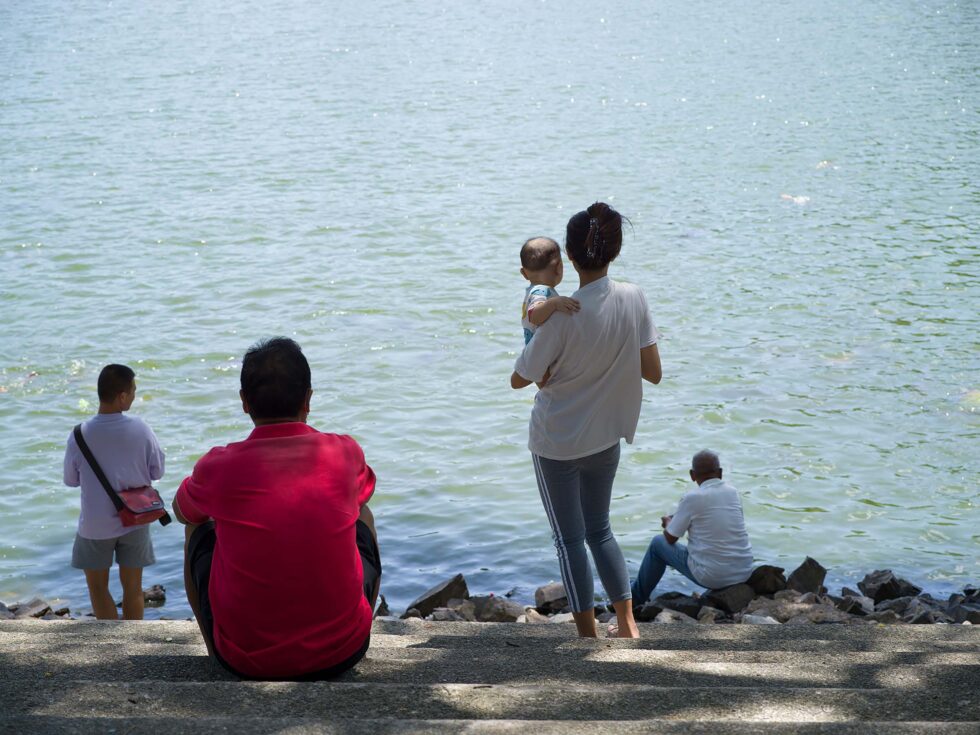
<point x="133" y="549"/>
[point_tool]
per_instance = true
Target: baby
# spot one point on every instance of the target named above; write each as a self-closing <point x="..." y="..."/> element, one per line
<point x="541" y="265"/>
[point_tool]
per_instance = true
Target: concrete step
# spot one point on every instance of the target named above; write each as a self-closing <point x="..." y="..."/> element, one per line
<point x="526" y="665"/>
<point x="307" y="726"/>
<point x="565" y="701"/>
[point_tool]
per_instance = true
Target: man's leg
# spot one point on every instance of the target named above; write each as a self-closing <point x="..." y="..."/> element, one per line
<point x="192" y="578"/>
<point x="370" y="557"/>
<point x="674" y="555"/>
<point x="103" y="605"/>
<point x="660" y="554"/>
<point x="132" y="584"/>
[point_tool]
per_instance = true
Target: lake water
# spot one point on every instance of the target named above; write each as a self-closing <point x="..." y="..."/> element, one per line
<point x="180" y="179"/>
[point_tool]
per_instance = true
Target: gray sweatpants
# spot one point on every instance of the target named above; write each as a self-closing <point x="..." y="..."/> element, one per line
<point x="576" y="494"/>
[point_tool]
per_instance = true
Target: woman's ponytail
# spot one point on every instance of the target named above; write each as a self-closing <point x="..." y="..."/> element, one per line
<point x="594" y="237"/>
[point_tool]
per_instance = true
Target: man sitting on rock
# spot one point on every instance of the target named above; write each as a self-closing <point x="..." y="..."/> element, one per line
<point x="281" y="566"/>
<point x="718" y="553"/>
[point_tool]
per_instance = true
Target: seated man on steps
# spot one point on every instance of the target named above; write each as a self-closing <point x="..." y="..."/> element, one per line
<point x="281" y="566"/>
<point x="718" y="552"/>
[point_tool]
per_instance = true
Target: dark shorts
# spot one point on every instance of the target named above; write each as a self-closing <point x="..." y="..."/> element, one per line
<point x="200" y="550"/>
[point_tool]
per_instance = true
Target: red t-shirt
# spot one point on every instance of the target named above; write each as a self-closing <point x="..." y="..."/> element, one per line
<point x="286" y="579"/>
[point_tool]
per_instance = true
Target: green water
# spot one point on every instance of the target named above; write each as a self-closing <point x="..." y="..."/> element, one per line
<point x="178" y="180"/>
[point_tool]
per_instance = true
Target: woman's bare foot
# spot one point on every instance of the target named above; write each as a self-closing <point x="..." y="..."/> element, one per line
<point x="625" y="624"/>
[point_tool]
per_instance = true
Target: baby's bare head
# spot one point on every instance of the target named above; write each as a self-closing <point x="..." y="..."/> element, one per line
<point x="539" y="254"/>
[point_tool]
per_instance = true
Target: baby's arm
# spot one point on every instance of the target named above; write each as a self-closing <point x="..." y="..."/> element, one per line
<point x="541" y="311"/>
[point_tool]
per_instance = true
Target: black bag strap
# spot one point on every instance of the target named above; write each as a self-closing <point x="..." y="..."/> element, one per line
<point x="90" y="458"/>
<point x="87" y="453"/>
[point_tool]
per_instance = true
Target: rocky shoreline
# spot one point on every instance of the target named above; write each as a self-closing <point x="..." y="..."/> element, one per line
<point x="768" y="597"/>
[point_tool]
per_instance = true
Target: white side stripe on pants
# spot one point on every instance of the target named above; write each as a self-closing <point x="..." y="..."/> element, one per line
<point x="564" y="562"/>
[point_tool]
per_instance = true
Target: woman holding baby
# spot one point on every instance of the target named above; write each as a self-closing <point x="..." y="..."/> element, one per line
<point x="590" y="366"/>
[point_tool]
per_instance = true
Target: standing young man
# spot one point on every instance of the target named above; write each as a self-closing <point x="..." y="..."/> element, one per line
<point x="282" y="567"/>
<point x="130" y="456"/>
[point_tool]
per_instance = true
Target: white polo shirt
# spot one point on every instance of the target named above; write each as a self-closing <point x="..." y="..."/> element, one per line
<point x="718" y="550"/>
<point x="592" y="399"/>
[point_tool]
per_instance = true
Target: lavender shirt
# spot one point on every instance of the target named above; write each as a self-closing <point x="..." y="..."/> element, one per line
<point x="130" y="456"/>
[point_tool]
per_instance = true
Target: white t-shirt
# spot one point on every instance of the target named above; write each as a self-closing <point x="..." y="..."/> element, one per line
<point x="130" y="456"/>
<point x="592" y="399"/>
<point x="718" y="551"/>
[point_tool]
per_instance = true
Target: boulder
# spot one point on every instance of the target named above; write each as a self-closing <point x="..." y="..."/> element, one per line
<point x="791" y="595"/>
<point x="710" y="615"/>
<point x="605" y="616"/>
<point x="882" y="585"/>
<point x="467" y="609"/>
<point x="33" y="609"/>
<point x="965" y="613"/>
<point x="491" y="609"/>
<point x="155" y="596"/>
<point x="781" y="610"/>
<point x="767" y="580"/>
<point x="531" y="615"/>
<point x="820" y="614"/>
<point x="382" y="611"/>
<point x="648" y="613"/>
<point x="672" y="617"/>
<point x="730" y="599"/>
<point x="412" y="612"/>
<point x="759" y="620"/>
<point x="898" y="605"/>
<point x="679" y="602"/>
<point x="5" y="613"/>
<point x="550" y="598"/>
<point x="562" y="618"/>
<point x="887" y="617"/>
<point x="438" y="596"/>
<point x="808" y="577"/>
<point x="924" y="612"/>
<point x="62" y="612"/>
<point x="857" y="605"/>
<point x="848" y="592"/>
<point x="445" y="615"/>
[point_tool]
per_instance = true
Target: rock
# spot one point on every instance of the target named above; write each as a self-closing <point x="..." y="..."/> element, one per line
<point x="648" y="613"/>
<point x="759" y="620"/>
<point x="924" y="612"/>
<point x="445" y="615"/>
<point x="5" y="613"/>
<point x="672" y="616"/>
<point x="155" y="596"/>
<point x="972" y="594"/>
<point x="62" y="611"/>
<point x="730" y="599"/>
<point x="33" y="609"/>
<point x="808" y="577"/>
<point x="383" y="610"/>
<point x="439" y="595"/>
<point x="782" y="610"/>
<point x="490" y="609"/>
<point x="965" y="613"/>
<point x="810" y="598"/>
<point x="898" y="605"/>
<point x="606" y="616"/>
<point x="791" y="595"/>
<point x="710" y="615"/>
<point x="412" y="612"/>
<point x="550" y="598"/>
<point x="882" y="585"/>
<point x="531" y="615"/>
<point x="856" y="605"/>
<point x="767" y="580"/>
<point x="467" y="609"/>
<point x="562" y="618"/>
<point x="848" y="592"/>
<point x="679" y="602"/>
<point x="888" y="617"/>
<point x="820" y="614"/>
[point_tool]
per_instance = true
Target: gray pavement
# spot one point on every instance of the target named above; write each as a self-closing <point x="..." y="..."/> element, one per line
<point x="87" y="676"/>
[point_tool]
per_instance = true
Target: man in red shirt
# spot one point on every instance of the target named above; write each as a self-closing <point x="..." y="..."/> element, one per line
<point x="282" y="567"/>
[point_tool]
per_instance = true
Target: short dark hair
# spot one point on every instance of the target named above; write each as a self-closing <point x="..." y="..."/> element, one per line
<point x="594" y="237"/>
<point x="275" y="378"/>
<point x="113" y="380"/>
<point x="705" y="464"/>
<point x="538" y="253"/>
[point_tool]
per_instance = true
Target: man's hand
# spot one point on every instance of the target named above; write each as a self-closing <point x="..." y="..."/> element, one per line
<point x="566" y="304"/>
<point x="664" y="520"/>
